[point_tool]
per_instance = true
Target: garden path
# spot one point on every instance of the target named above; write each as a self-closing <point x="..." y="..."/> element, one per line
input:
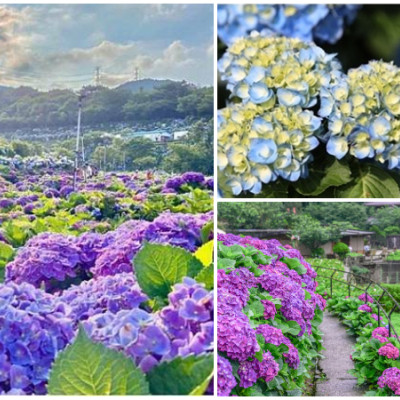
<point x="337" y="362"/>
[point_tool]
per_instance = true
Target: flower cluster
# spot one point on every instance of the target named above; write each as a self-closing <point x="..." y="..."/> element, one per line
<point x="363" y="111"/>
<point x="34" y="327"/>
<point x="182" y="328"/>
<point x="45" y="257"/>
<point x="389" y="351"/>
<point x="366" y="298"/>
<point x="272" y="132"/>
<point x="96" y="296"/>
<point x="291" y="72"/>
<point x="391" y="379"/>
<point x="226" y="381"/>
<point x="365" y="308"/>
<point x="250" y="371"/>
<point x="196" y="179"/>
<point x="380" y="334"/>
<point x="256" y="146"/>
<point x="275" y="336"/>
<point x="319" y="22"/>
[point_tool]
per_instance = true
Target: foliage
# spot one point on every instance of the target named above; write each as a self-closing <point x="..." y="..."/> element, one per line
<point x="260" y="285"/>
<point x="341" y="249"/>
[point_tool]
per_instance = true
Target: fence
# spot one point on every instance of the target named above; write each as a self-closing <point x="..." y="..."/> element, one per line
<point x="370" y="285"/>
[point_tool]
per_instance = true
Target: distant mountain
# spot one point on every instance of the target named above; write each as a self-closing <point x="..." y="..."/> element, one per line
<point x="144" y="85"/>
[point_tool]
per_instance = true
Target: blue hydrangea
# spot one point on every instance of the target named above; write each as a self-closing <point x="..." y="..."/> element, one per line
<point x="258" y="146"/>
<point x="363" y="113"/>
<point x="266" y="70"/>
<point x="310" y="22"/>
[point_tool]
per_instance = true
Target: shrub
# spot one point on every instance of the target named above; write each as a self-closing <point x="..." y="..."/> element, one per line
<point x="341" y="249"/>
<point x="318" y="252"/>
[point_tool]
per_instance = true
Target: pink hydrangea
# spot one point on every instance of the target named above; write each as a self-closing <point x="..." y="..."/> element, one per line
<point x="365" y="307"/>
<point x="375" y="317"/>
<point x="389" y="351"/>
<point x="380" y="334"/>
<point x="366" y="297"/>
<point x="391" y="379"/>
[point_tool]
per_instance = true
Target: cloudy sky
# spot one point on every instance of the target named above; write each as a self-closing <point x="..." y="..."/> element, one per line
<point x="55" y="46"/>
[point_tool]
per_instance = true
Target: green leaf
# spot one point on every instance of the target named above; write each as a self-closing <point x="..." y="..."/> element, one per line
<point x="295" y="264"/>
<point x="205" y="253"/>
<point x="206" y="231"/>
<point x="6" y="251"/>
<point x="226" y="264"/>
<point x="87" y="368"/>
<point x="336" y="174"/>
<point x="158" y="267"/>
<point x="372" y="182"/>
<point x="181" y="376"/>
<point x="206" y="276"/>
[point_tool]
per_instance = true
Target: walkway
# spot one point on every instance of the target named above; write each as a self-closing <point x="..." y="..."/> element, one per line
<point x="337" y="362"/>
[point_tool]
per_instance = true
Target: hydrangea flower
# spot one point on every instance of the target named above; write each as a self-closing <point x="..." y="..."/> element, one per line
<point x="257" y="146"/>
<point x="250" y="371"/>
<point x="389" y="351"/>
<point x="391" y="379"/>
<point x="366" y="298"/>
<point x="105" y="293"/>
<point x="226" y="381"/>
<point x="45" y="257"/>
<point x="380" y="334"/>
<point x="288" y="71"/>
<point x="363" y="112"/>
<point x="269" y="309"/>
<point x="309" y="22"/>
<point x="34" y="327"/>
<point x="365" y="308"/>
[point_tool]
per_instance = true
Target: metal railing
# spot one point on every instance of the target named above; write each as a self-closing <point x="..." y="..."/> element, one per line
<point x="370" y="285"/>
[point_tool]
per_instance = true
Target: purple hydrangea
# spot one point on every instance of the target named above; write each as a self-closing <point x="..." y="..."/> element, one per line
<point x="45" y="257"/>
<point x="6" y="203"/>
<point x="365" y="307"/>
<point x="389" y="351"/>
<point x="66" y="190"/>
<point x="269" y="309"/>
<point x="250" y="371"/>
<point x="391" y="379"/>
<point x="105" y="293"/>
<point x="366" y="298"/>
<point x="226" y="381"/>
<point x="275" y="336"/>
<point x="34" y="327"/>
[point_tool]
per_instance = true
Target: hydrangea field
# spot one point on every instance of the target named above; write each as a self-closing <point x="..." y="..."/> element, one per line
<point x="297" y="124"/>
<point x="268" y="314"/>
<point x="106" y="288"/>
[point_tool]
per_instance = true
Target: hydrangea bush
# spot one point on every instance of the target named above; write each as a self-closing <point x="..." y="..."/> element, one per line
<point x="268" y="315"/>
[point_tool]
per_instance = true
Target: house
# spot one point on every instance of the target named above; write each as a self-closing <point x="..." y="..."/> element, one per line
<point x="353" y="238"/>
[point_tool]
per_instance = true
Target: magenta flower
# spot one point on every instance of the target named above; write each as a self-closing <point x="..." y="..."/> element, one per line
<point x="365" y="307"/>
<point x="380" y="334"/>
<point x="366" y="298"/>
<point x="391" y="379"/>
<point x="389" y="351"/>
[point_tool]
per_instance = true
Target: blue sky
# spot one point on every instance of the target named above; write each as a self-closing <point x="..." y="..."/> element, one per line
<point x="55" y="46"/>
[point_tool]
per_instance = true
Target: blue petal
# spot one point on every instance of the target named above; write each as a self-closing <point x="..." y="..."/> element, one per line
<point x="260" y="93"/>
<point x="262" y="151"/>
<point x="337" y="146"/>
<point x="289" y="98"/>
<point x="255" y="74"/>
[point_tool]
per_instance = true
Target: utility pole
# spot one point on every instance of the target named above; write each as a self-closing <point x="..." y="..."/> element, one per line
<point x="136" y="77"/>
<point x="78" y="133"/>
<point x="97" y="77"/>
<point x="83" y="150"/>
<point x="105" y="157"/>
<point x="124" y="156"/>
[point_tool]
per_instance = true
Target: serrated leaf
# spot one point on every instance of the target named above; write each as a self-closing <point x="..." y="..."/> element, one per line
<point x="206" y="231"/>
<point x="181" y="376"/>
<point x="88" y="368"/>
<point x="205" y="253"/>
<point x="372" y="182"/>
<point x="158" y="267"/>
<point x="206" y="276"/>
<point x="295" y="264"/>
<point x="336" y="174"/>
